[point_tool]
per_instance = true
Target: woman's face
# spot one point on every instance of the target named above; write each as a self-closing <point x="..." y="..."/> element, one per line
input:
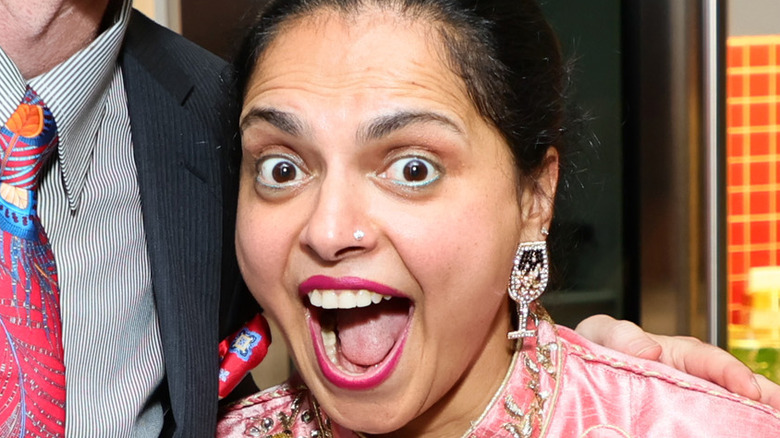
<point x="378" y="218"/>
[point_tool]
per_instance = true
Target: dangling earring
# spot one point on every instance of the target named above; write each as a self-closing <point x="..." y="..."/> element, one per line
<point x="527" y="283"/>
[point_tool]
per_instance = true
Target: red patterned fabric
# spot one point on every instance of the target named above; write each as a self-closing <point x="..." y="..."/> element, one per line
<point x="32" y="373"/>
<point x="242" y="351"/>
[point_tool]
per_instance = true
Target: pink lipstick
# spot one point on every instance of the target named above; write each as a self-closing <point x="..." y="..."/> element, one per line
<point x="364" y="344"/>
<point x="346" y="283"/>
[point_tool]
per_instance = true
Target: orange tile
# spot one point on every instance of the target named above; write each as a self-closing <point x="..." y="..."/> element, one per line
<point x="777" y="232"/>
<point x="734" y="145"/>
<point x="736" y="233"/>
<point x="738" y="289"/>
<point x="759" y="202"/>
<point x="759" y="143"/>
<point x="760" y="258"/>
<point x="776" y="195"/>
<point x="735" y="115"/>
<point x="736" y="261"/>
<point x="740" y="309"/>
<point x="759" y="233"/>
<point x="733" y="314"/>
<point x="734" y="85"/>
<point x="759" y="84"/>
<point x="776" y="120"/>
<point x="777" y="79"/>
<point x="735" y="174"/>
<point x="735" y="204"/>
<point x="777" y="54"/>
<point x="759" y="173"/>
<point x="734" y="56"/>
<point x="759" y="114"/>
<point x="736" y="297"/>
<point x="759" y="55"/>
<point x="777" y="141"/>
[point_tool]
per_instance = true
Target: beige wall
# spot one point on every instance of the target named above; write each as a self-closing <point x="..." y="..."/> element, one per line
<point x="753" y="17"/>
<point x="275" y="368"/>
<point x="145" y="6"/>
<point x="165" y="12"/>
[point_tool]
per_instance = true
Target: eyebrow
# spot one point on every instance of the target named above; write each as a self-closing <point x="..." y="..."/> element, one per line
<point x="283" y="121"/>
<point x="378" y="128"/>
<point x="385" y="125"/>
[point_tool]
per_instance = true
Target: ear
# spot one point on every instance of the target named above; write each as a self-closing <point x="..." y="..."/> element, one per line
<point x="537" y="196"/>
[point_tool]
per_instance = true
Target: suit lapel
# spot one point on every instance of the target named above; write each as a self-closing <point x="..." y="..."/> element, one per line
<point x="181" y="200"/>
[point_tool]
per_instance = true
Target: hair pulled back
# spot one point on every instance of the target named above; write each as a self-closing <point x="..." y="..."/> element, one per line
<point x="504" y="50"/>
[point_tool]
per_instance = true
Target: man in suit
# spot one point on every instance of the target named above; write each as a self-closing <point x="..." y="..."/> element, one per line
<point x="138" y="204"/>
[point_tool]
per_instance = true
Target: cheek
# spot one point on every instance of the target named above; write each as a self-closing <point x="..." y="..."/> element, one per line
<point x="474" y="237"/>
<point x="262" y="249"/>
<point x="461" y="254"/>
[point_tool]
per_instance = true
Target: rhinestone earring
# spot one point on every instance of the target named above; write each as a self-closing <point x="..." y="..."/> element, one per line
<point x="527" y="283"/>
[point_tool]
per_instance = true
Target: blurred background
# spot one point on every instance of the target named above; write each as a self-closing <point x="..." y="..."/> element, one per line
<point x="670" y="211"/>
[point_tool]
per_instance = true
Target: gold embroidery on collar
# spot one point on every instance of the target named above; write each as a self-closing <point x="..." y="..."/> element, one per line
<point x="528" y="424"/>
<point x="264" y="427"/>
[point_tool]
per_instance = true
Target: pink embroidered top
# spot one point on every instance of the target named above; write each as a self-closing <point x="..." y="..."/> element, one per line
<point x="559" y="385"/>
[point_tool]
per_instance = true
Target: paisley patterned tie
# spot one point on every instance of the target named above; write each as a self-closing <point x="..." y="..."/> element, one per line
<point x="32" y="373"/>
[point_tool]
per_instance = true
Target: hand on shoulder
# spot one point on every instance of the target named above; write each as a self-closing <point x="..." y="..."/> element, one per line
<point x="686" y="354"/>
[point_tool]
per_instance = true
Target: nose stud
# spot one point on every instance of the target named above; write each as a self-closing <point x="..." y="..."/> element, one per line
<point x="358" y="235"/>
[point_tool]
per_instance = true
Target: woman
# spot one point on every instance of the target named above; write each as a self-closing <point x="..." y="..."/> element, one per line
<point x="406" y="154"/>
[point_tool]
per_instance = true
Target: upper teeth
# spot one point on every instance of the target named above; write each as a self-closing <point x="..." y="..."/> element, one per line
<point x="345" y="299"/>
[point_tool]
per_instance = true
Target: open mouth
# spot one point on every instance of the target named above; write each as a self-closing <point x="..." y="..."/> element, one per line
<point x="358" y="334"/>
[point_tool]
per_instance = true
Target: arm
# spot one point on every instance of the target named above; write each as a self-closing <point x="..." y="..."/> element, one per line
<point x="687" y="354"/>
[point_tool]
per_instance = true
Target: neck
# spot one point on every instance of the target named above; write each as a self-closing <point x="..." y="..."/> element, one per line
<point x="39" y="34"/>
<point x="452" y="415"/>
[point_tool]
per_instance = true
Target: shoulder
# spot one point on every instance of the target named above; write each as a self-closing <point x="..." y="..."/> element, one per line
<point x="161" y="67"/>
<point x="636" y="395"/>
<point x="146" y="38"/>
<point x="153" y="53"/>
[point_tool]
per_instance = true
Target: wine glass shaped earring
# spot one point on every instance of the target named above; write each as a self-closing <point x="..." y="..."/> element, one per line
<point x="529" y="278"/>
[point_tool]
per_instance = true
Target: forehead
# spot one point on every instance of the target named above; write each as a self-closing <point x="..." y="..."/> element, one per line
<point x="374" y="56"/>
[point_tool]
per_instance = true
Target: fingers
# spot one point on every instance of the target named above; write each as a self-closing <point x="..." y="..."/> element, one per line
<point x="770" y="392"/>
<point x="622" y="336"/>
<point x="686" y="354"/>
<point x="708" y="362"/>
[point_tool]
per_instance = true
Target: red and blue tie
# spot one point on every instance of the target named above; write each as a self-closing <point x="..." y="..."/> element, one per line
<point x="32" y="372"/>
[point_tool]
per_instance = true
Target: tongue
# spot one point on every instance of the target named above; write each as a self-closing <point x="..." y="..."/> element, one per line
<point x="367" y="334"/>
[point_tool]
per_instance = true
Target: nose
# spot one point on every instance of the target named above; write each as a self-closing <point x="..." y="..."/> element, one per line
<point x="339" y="226"/>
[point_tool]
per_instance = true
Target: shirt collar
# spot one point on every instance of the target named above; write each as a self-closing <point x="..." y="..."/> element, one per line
<point x="74" y="91"/>
<point x="12" y="87"/>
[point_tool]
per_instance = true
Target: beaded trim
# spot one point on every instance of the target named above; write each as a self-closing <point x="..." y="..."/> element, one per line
<point x="527" y="421"/>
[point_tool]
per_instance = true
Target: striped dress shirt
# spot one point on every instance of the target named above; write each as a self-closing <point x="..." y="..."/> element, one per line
<point x="90" y="206"/>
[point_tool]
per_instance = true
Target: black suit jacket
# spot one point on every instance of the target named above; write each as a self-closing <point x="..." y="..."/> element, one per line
<point x="184" y="138"/>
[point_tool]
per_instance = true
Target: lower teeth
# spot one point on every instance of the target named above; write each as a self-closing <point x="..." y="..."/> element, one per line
<point x="330" y="342"/>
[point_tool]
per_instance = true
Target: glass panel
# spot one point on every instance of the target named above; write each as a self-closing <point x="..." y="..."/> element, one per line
<point x="753" y="184"/>
<point x="587" y="232"/>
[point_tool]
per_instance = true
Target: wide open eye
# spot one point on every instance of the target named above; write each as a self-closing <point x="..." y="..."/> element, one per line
<point x="278" y="172"/>
<point x="411" y="172"/>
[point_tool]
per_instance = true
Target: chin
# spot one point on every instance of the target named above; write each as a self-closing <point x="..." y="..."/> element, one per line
<point x="368" y="417"/>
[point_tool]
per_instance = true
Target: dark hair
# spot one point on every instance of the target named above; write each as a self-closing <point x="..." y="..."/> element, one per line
<point x="504" y="50"/>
